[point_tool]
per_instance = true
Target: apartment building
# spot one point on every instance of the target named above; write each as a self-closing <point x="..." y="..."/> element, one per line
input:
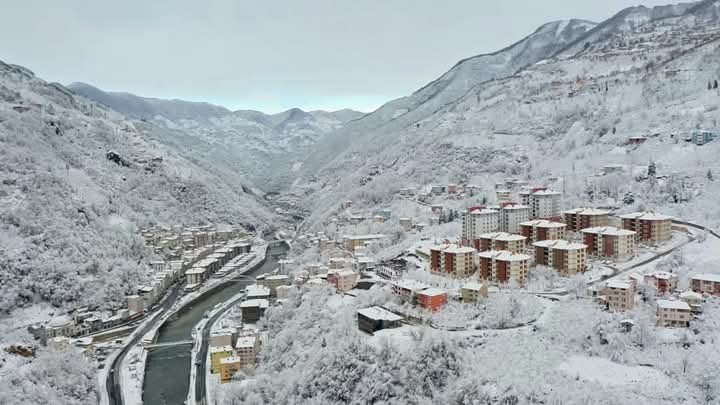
<point x="196" y="275"/>
<point x="406" y="223"/>
<point x="501" y="266"/>
<point x="503" y="195"/>
<point x="432" y="298"/>
<point x="663" y="281"/>
<point x="512" y="215"/>
<point x="502" y="241"/>
<point x="408" y="289"/>
<point x="457" y="261"/>
<point x="274" y="281"/>
<point x="673" y="313"/>
<point x="620" y="295"/>
<point x="566" y="257"/>
<point x="343" y="280"/>
<point x="706" y="283"/>
<point x="218" y="353"/>
<point x="610" y="242"/>
<point x="360" y="241"/>
<point x="376" y="318"/>
<point x="247" y="349"/>
<point x="693" y="299"/>
<point x="228" y="367"/>
<point x="651" y="228"/>
<point x="542" y="229"/>
<point x="582" y="218"/>
<point x="477" y="221"/>
<point x="546" y="205"/>
<point x="253" y="310"/>
<point x="472" y="292"/>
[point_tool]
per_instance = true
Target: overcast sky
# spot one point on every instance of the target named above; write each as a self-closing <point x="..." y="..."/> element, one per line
<point x="270" y="55"/>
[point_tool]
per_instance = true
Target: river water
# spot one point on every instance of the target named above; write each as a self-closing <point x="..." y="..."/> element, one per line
<point x="167" y="371"/>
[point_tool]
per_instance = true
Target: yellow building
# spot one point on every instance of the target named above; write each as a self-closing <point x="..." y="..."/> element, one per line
<point x="471" y="292"/>
<point x="228" y="367"/>
<point x="217" y="353"/>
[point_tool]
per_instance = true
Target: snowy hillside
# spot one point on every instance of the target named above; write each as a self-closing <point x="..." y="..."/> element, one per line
<point x="78" y="181"/>
<point x="262" y="148"/>
<point x="563" y="116"/>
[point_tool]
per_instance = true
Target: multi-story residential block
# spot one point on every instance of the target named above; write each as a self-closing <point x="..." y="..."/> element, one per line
<point x="609" y="242"/>
<point x="216" y="354"/>
<point x="376" y="318"/>
<point x="343" y="280"/>
<point x="255" y="291"/>
<point x="546" y="205"/>
<point x="457" y="261"/>
<point x="135" y="304"/>
<point x="228" y="366"/>
<point x="693" y="299"/>
<point x="501" y="266"/>
<point x="196" y="275"/>
<point x="673" y="313"/>
<point x="566" y="257"/>
<point x="274" y="281"/>
<point x="582" y="218"/>
<point x="620" y="295"/>
<point x="512" y="215"/>
<point x="477" y="221"/>
<point x="542" y="229"/>
<point x="360" y="241"/>
<point x="501" y="241"/>
<point x="651" y="228"/>
<point x="224" y="337"/>
<point x="408" y="289"/>
<point x="253" y="310"/>
<point x="503" y="195"/>
<point x="432" y="298"/>
<point x="706" y="283"/>
<point x="247" y="349"/>
<point x="472" y="292"/>
<point x="663" y="281"/>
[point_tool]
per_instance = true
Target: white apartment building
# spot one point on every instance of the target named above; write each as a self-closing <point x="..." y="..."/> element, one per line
<point x="512" y="215"/>
<point x="477" y="222"/>
<point x="673" y="313"/>
<point x="545" y="204"/>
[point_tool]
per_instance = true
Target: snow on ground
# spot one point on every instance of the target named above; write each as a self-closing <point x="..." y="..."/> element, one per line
<point x="604" y="371"/>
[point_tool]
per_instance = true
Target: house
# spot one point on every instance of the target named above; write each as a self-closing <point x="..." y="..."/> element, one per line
<point x="512" y="215"/>
<point x="693" y="299"/>
<point x="457" y="261"/>
<point x="663" y="281"/>
<point x="408" y="289"/>
<point x="337" y="263"/>
<point x="636" y="140"/>
<point x="702" y="137"/>
<point x="247" y="349"/>
<point x="542" y="229"/>
<point x="436" y="208"/>
<point x="503" y="195"/>
<point x="673" y="313"/>
<point x="502" y="266"/>
<point x="581" y="218"/>
<point x="228" y="366"/>
<point x="609" y="242"/>
<point x="471" y="292"/>
<point x="477" y="221"/>
<point x="274" y="281"/>
<point x="255" y="291"/>
<point x="253" y="310"/>
<point x="343" y="280"/>
<point x="283" y="291"/>
<point x="706" y="283"/>
<point x="452" y="188"/>
<point x="359" y="241"/>
<point x="432" y="298"/>
<point x="651" y="228"/>
<point x="346" y="205"/>
<point x="406" y="223"/>
<point x="223" y="337"/>
<point x="376" y="318"/>
<point x="545" y="204"/>
<point x="620" y="295"/>
<point x="501" y="241"/>
<point x="216" y="354"/>
<point x="566" y="257"/>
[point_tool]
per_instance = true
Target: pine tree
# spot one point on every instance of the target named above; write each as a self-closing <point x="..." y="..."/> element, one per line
<point x="715" y="85"/>
<point x="629" y="198"/>
<point x="652" y="170"/>
<point x="709" y="85"/>
<point x="709" y="175"/>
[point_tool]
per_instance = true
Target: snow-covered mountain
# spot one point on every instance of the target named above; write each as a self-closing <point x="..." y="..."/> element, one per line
<point x="255" y="145"/>
<point x="78" y="181"/>
<point x="566" y="111"/>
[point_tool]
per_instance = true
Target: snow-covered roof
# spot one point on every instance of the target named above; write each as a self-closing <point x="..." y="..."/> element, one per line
<point x="60" y="321"/>
<point x="364" y="237"/>
<point x="609" y="230"/>
<point x="648" y="216"/>
<point x="257" y="290"/>
<point x="262" y="303"/>
<point x="543" y="223"/>
<point x="483" y="211"/>
<point x="459" y="249"/>
<point x="431" y="292"/>
<point x="379" y="314"/>
<point x="216" y="349"/>
<point x="502" y="236"/>
<point x="707" y="277"/>
<point x="346" y="273"/>
<point x="662" y="275"/>
<point x="503" y="255"/>
<point x="515" y="207"/>
<point x="472" y="286"/>
<point x="586" y="211"/>
<point x="245" y="342"/>
<point x="673" y="304"/>
<point x="278" y="277"/>
<point x="196" y="270"/>
<point x="560" y="244"/>
<point x="412" y="285"/>
<point x="230" y="360"/>
<point x="619" y="284"/>
<point x="689" y="294"/>
<point x="546" y="193"/>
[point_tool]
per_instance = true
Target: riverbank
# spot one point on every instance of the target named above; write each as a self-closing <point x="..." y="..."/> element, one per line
<point x="132" y="368"/>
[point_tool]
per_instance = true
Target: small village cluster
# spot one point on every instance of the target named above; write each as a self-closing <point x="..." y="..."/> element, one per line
<point x="192" y="254"/>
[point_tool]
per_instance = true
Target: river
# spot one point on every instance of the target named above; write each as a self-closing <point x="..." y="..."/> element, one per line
<point x="167" y="371"/>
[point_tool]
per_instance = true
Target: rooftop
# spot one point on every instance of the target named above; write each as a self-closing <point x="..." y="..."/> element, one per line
<point x="559" y="244"/>
<point x="502" y="236"/>
<point x="503" y="255"/>
<point x="413" y="285"/>
<point x="196" y="270"/>
<point x="609" y="230"/>
<point x="379" y="313"/>
<point x="431" y="292"/>
<point x="278" y="277"/>
<point x="662" y="275"/>
<point x="619" y="284"/>
<point x="586" y="211"/>
<point x="673" y="304"/>
<point x="216" y="349"/>
<point x="472" y="286"/>
<point x="648" y="216"/>
<point x="691" y="295"/>
<point x="260" y="303"/>
<point x="364" y="237"/>
<point x="543" y="223"/>
<point x="459" y="249"/>
<point x="257" y="290"/>
<point x="230" y="360"/>
<point x="707" y="277"/>
<point x="542" y="193"/>
<point x="245" y="342"/>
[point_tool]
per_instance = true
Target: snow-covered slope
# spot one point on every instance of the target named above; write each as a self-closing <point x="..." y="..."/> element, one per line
<point x="561" y="116"/>
<point x="77" y="183"/>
